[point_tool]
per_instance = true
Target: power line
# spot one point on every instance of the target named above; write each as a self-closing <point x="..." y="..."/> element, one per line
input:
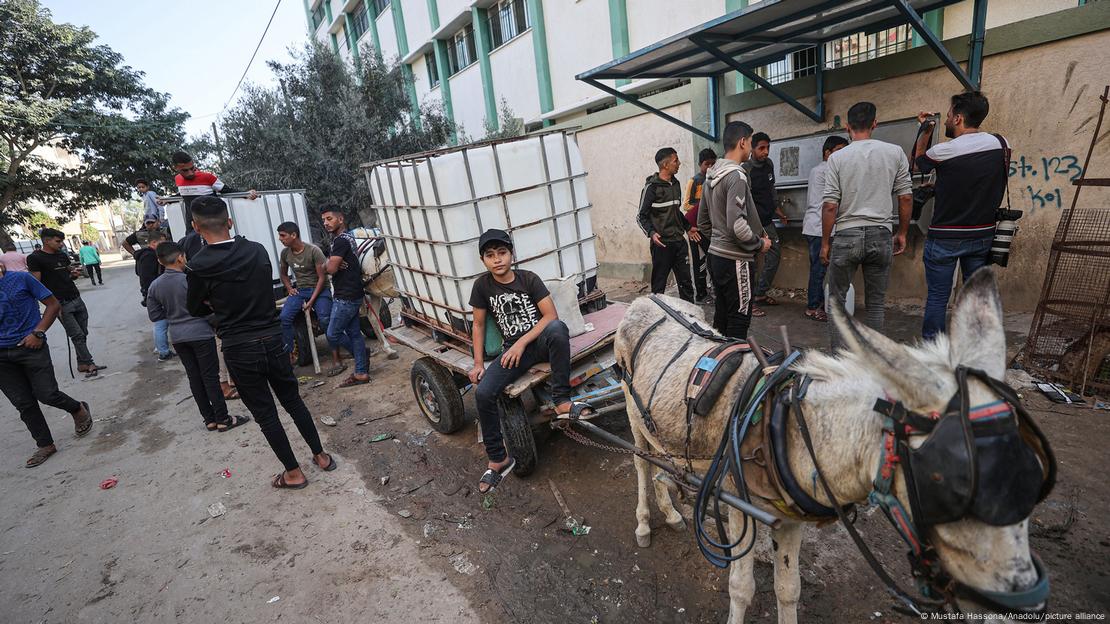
<point x="255" y="53"/>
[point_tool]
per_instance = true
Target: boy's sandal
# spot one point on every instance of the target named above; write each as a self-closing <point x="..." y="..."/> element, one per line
<point x="233" y="422"/>
<point x="41" y="456"/>
<point x="578" y="409"/>
<point x="352" y="381"/>
<point x="81" y="426"/>
<point x="231" y="394"/>
<point x="336" y="370"/>
<point x="280" y="483"/>
<point x="493" y="478"/>
<point x="210" y="426"/>
<point x="758" y="312"/>
<point x="817" y="315"/>
<point x="767" y="300"/>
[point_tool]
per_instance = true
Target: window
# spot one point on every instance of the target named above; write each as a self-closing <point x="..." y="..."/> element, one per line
<point x="507" y="19"/>
<point x="433" y="69"/>
<point x="360" y="21"/>
<point x="379" y="6"/>
<point x="460" y="49"/>
<point x="341" y="39"/>
<point x="319" y="14"/>
<point x="849" y="50"/>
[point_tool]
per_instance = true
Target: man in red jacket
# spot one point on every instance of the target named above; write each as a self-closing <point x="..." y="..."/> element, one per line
<point x="193" y="183"/>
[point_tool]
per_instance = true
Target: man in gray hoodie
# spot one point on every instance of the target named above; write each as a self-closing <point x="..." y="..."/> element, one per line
<point x="729" y="217"/>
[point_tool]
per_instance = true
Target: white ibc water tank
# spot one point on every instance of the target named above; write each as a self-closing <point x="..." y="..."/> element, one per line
<point x="433" y="207"/>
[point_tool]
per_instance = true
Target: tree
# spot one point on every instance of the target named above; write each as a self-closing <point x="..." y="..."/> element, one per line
<point x="321" y="121"/>
<point x="59" y="91"/>
<point x="37" y="220"/>
<point x="509" y="125"/>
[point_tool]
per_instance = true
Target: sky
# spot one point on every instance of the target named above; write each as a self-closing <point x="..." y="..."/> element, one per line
<point x="196" y="50"/>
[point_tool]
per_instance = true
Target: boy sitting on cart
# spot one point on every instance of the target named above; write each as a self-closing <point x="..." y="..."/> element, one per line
<point x="532" y="332"/>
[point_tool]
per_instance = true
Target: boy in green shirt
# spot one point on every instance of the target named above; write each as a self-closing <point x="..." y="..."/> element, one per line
<point x="90" y="257"/>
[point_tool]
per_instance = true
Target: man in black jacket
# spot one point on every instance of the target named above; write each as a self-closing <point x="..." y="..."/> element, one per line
<point x="761" y="175"/>
<point x="231" y="279"/>
<point x="661" y="219"/>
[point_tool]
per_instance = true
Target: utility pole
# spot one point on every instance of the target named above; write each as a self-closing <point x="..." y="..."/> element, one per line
<point x="219" y="147"/>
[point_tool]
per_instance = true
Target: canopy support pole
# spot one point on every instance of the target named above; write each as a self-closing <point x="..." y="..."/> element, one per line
<point x="635" y="101"/>
<point x="976" y="58"/>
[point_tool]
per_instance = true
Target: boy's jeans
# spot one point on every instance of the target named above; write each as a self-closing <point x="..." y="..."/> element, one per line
<point x="162" y="337"/>
<point x="552" y="346"/>
<point x="872" y="249"/>
<point x="293" y="306"/>
<point x="941" y="256"/>
<point x="344" y="331"/>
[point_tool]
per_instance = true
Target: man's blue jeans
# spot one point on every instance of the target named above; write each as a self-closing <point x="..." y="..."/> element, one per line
<point x="941" y="256"/>
<point x="815" y="299"/>
<point x="344" y="331"/>
<point x="162" y="337"/>
<point x="294" y="304"/>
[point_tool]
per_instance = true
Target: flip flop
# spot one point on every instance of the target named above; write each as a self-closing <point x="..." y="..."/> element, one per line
<point x="232" y="395"/>
<point x="279" y="483"/>
<point x="235" y="422"/>
<point x="756" y="311"/>
<point x="493" y="478"/>
<point x="336" y="370"/>
<point x="210" y="426"/>
<point x="332" y="465"/>
<point x="817" y="315"/>
<point x="82" y="427"/>
<point x="40" y="456"/>
<point x="353" y="381"/>
<point x="576" y="411"/>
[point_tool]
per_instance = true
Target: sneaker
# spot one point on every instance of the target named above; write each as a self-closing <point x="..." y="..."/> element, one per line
<point x="167" y="357"/>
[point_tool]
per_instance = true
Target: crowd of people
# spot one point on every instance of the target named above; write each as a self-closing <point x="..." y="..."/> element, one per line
<point x="726" y="227"/>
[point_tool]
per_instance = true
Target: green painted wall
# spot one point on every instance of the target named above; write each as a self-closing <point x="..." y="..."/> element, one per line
<point x="433" y="14"/>
<point x="334" y="42"/>
<point x="307" y="17"/>
<point x="935" y="21"/>
<point x="539" y="47"/>
<point x="618" y="31"/>
<point x="479" y="18"/>
<point x="352" y="43"/>
<point x="445" y="84"/>
<point x="373" y="30"/>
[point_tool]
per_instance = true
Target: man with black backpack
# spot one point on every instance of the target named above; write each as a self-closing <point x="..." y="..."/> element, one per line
<point x="971" y="172"/>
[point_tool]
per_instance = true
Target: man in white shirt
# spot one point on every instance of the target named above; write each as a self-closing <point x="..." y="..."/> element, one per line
<point x="859" y="183"/>
<point x="811" y="229"/>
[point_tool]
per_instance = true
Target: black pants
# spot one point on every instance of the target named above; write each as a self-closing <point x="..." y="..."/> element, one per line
<point x="699" y="259"/>
<point x="89" y="268"/>
<point x="552" y="346"/>
<point x="27" y="379"/>
<point x="202" y="366"/>
<point x="671" y="259"/>
<point x="258" y="366"/>
<point x="733" y="285"/>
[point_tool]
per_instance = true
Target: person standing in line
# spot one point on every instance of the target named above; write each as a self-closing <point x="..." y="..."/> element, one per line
<point x="698" y="249"/>
<point x="859" y="182"/>
<point x="141" y="237"/>
<point x="152" y="206"/>
<point x="51" y="265"/>
<point x="344" y="327"/>
<point x="90" y="257"/>
<point x="311" y="291"/>
<point x="761" y="177"/>
<point x="13" y="259"/>
<point x="811" y="229"/>
<point x="971" y="172"/>
<point x="728" y="215"/>
<point x="660" y="217"/>
<point x="193" y="339"/>
<point x="230" y="279"/>
<point x="148" y="269"/>
<point x="26" y="370"/>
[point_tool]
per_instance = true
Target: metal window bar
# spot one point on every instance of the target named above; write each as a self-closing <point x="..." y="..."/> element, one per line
<point x="319" y="14"/>
<point x="855" y="48"/>
<point x="507" y="20"/>
<point x="433" y="69"/>
<point x="461" y="51"/>
<point x="379" y="6"/>
<point x="341" y="38"/>
<point x="360" y="21"/>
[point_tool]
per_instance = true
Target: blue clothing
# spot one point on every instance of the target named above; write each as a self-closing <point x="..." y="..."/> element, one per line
<point x="292" y="307"/>
<point x="20" y="294"/>
<point x="941" y="256"/>
<point x="162" y="337"/>
<point x="151" y="207"/>
<point x="344" y="330"/>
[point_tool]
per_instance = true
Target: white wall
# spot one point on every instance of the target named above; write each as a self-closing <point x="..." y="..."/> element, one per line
<point x="448" y="9"/>
<point x="577" y="40"/>
<point x="649" y="21"/>
<point x="418" y="28"/>
<point x="420" y="78"/>
<point x="468" y="102"/>
<point x="387" y="35"/>
<point x="513" y="66"/>
<point x="957" y="18"/>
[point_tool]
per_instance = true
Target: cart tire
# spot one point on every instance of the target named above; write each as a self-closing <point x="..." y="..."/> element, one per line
<point x="437" y="395"/>
<point x="519" y="440"/>
<point x="301" y="349"/>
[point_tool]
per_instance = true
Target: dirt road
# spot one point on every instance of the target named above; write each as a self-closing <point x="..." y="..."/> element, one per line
<point x="399" y="534"/>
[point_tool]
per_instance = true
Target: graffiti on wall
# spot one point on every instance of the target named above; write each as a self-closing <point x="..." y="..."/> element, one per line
<point x="1044" y="179"/>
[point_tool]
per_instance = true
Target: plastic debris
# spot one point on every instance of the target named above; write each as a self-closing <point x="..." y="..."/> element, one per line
<point x="384" y="480"/>
<point x="226" y="473"/>
<point x="303" y="379"/>
<point x="405" y="513"/>
<point x="488" y="501"/>
<point x="318" y="383"/>
<point x="381" y="437"/>
<point x="273" y="600"/>
<point x="462" y="564"/>
<point x="109" y="483"/>
<point x="327" y="420"/>
<point x="216" y="509"/>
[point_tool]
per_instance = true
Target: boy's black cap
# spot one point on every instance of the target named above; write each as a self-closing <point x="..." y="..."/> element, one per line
<point x="494" y="236"/>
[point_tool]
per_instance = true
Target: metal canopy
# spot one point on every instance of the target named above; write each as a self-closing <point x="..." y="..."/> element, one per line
<point x="767" y="32"/>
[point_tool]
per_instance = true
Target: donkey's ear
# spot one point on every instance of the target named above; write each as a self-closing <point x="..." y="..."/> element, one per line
<point x="891" y="362"/>
<point x="975" y="335"/>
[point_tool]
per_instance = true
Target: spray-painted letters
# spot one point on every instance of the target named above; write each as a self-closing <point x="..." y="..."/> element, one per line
<point x="1045" y="179"/>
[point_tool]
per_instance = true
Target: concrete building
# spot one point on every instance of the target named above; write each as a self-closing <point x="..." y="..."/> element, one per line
<point x="1043" y="62"/>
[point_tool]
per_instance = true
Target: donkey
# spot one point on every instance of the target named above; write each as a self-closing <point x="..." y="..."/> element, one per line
<point x="377" y="276"/>
<point x="847" y="434"/>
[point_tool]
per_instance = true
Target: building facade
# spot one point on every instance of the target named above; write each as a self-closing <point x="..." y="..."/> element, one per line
<point x="1044" y="61"/>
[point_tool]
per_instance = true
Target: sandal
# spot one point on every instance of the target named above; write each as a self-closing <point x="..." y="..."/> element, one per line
<point x="233" y="422"/>
<point x="332" y="465"/>
<point x="82" y="426"/>
<point x="231" y="394"/>
<point x="767" y="300"/>
<point x="757" y="312"/>
<point x="280" y="483"/>
<point x="817" y="315"/>
<point x="578" y="409"/>
<point x="210" y="426"/>
<point x="353" y="381"/>
<point x="336" y="370"/>
<point x="41" y="455"/>
<point x="493" y="478"/>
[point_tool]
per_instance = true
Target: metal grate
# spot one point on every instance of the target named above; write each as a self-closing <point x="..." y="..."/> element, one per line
<point x="849" y="50"/>
<point x="1069" y="340"/>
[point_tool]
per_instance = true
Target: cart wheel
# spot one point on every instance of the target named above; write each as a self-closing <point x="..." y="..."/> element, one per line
<point x="301" y="350"/>
<point x="519" y="440"/>
<point x="437" y="395"/>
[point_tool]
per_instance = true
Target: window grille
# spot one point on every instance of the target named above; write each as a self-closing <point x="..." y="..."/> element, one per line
<point x="507" y="19"/>
<point x="360" y="21"/>
<point x="461" y="52"/>
<point x="433" y="69"/>
<point x="319" y="14"/>
<point x="855" y="48"/>
<point x="378" y="6"/>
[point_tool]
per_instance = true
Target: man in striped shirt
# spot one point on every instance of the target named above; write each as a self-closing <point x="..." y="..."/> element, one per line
<point x="660" y="217"/>
<point x="971" y="172"/>
<point x="193" y="183"/>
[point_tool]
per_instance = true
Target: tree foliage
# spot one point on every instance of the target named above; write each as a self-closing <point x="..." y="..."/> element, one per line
<point x="321" y="121"/>
<point x="508" y="126"/>
<point x="59" y="91"/>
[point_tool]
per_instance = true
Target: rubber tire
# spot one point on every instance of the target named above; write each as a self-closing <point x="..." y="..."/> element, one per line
<point x="300" y="341"/>
<point x="452" y="415"/>
<point x="519" y="439"/>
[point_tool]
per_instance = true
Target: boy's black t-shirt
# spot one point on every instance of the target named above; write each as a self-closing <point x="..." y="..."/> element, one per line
<point x="54" y="269"/>
<point x="514" y="306"/>
<point x="346" y="283"/>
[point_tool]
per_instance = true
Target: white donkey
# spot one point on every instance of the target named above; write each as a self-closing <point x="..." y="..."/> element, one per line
<point x="847" y="435"/>
<point x="377" y="276"/>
